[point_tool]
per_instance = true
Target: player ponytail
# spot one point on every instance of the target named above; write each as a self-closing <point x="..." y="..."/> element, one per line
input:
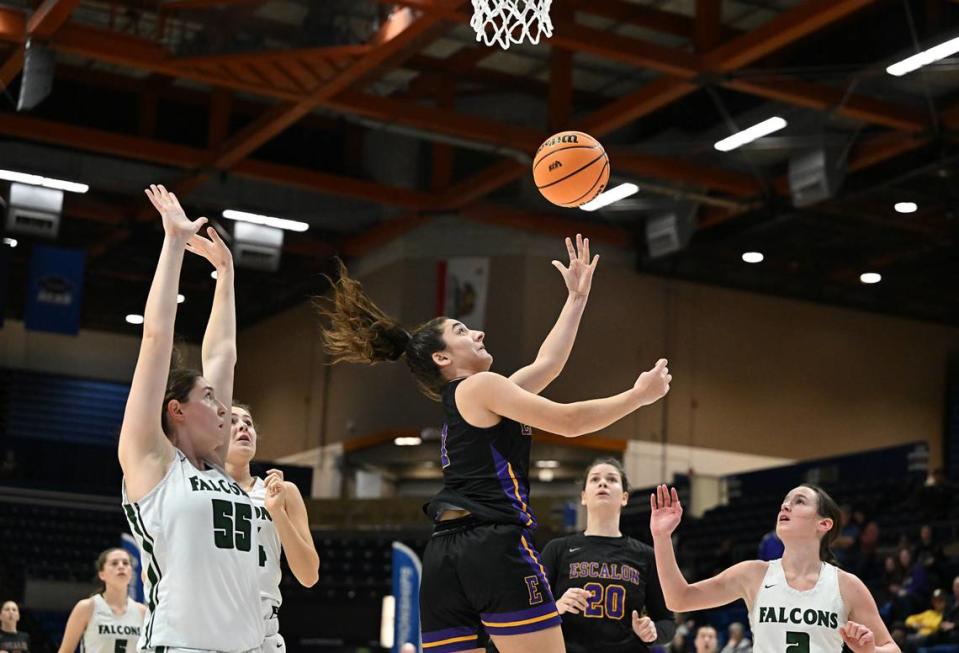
<point x="827" y="508"/>
<point x="356" y="330"/>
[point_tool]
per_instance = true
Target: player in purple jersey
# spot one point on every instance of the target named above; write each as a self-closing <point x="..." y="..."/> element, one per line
<point x="481" y="574"/>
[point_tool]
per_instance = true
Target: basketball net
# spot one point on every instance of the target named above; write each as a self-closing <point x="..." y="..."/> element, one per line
<point x="511" y="21"/>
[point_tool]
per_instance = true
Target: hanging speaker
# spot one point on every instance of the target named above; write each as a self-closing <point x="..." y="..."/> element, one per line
<point x="815" y="176"/>
<point x="36" y="82"/>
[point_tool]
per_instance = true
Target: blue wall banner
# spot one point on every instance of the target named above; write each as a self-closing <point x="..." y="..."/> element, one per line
<point x="407" y="571"/>
<point x="129" y="544"/>
<point x="55" y="290"/>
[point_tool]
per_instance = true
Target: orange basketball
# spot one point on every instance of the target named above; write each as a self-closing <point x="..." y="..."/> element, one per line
<point x="570" y="168"/>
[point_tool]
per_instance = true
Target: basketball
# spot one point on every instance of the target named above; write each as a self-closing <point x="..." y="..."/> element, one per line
<point x="570" y="168"/>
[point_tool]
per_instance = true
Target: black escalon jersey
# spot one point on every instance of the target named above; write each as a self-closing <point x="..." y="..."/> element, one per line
<point x="485" y="470"/>
<point x="620" y="574"/>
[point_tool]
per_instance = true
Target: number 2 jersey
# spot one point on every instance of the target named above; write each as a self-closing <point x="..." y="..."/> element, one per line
<point x="620" y="575"/>
<point x="786" y="619"/>
<point x="197" y="532"/>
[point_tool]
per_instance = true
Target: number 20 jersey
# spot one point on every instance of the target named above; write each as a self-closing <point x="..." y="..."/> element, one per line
<point x="197" y="532"/>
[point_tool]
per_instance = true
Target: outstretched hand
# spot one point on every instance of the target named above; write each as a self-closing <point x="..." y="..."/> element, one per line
<point x="579" y="275"/>
<point x="653" y="384"/>
<point x="212" y="249"/>
<point x="666" y="513"/>
<point x="175" y="222"/>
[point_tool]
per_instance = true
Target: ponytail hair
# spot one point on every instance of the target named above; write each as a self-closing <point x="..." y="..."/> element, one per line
<point x="827" y="507"/>
<point x="356" y="330"/>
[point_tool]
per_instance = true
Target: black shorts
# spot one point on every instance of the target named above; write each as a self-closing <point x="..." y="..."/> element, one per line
<point x="480" y="580"/>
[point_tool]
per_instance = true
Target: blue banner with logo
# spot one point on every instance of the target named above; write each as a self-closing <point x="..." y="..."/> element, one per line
<point x="407" y="571"/>
<point x="129" y="545"/>
<point x="55" y="290"/>
<point x="5" y="255"/>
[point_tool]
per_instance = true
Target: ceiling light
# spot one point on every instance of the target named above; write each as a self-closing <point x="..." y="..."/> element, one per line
<point x="47" y="182"/>
<point x="546" y="475"/>
<point x="906" y="207"/>
<point x="750" y="134"/>
<point x="12" y="242"/>
<point x="612" y="195"/>
<point x="213" y="275"/>
<point x="870" y="277"/>
<point x="407" y="441"/>
<point x="547" y="464"/>
<point x="265" y="220"/>
<point x="180" y="299"/>
<point x="924" y="58"/>
<point x="133" y="318"/>
<point x="753" y="257"/>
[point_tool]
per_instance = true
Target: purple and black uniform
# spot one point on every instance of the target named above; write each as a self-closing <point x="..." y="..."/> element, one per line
<point x="481" y="574"/>
<point x="620" y="575"/>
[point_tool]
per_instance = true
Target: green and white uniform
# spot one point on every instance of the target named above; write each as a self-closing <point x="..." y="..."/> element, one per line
<point x="270" y="573"/>
<point x="785" y="619"/>
<point x="197" y="531"/>
<point x="108" y="632"/>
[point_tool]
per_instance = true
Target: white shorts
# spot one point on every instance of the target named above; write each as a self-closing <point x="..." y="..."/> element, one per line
<point x="273" y="644"/>
<point x="171" y="649"/>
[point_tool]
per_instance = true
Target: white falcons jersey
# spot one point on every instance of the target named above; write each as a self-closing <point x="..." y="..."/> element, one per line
<point x="270" y="550"/>
<point x="197" y="532"/>
<point x="107" y="632"/>
<point x="785" y="619"/>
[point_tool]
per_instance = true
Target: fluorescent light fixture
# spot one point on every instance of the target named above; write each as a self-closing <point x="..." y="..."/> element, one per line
<point x="46" y="182"/>
<point x="870" y="277"/>
<point x="180" y="299"/>
<point x="924" y="58"/>
<point x="408" y="441"/>
<point x="133" y="318"/>
<point x="906" y="207"/>
<point x="750" y="134"/>
<point x="753" y="257"/>
<point x="213" y="275"/>
<point x="265" y="220"/>
<point x="12" y="242"/>
<point x="547" y="464"/>
<point x="612" y="195"/>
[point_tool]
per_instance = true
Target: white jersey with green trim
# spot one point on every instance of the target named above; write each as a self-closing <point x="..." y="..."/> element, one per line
<point x="786" y="619"/>
<point x="200" y="560"/>
<point x="108" y="632"/>
<point x="270" y="551"/>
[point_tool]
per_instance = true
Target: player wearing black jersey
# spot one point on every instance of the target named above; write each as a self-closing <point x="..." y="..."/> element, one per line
<point x="481" y="574"/>
<point x="610" y="599"/>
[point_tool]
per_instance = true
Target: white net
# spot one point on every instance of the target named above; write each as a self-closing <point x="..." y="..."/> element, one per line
<point x="511" y="21"/>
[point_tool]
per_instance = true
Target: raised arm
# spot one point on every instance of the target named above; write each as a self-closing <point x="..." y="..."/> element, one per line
<point x="485" y="397"/>
<point x="285" y="505"/>
<point x="144" y="450"/>
<point x="219" y="341"/>
<point x="554" y="352"/>
<point x="680" y="596"/>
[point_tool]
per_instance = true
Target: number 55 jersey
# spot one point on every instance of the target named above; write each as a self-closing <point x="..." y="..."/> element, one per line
<point x="620" y="575"/>
<point x="197" y="532"/>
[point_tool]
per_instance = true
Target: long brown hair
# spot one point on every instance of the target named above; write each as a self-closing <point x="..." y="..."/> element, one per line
<point x="102" y="562"/>
<point x="356" y="330"/>
<point x="830" y="509"/>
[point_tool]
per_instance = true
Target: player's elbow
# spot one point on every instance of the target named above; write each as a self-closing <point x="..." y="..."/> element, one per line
<point x="570" y="422"/>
